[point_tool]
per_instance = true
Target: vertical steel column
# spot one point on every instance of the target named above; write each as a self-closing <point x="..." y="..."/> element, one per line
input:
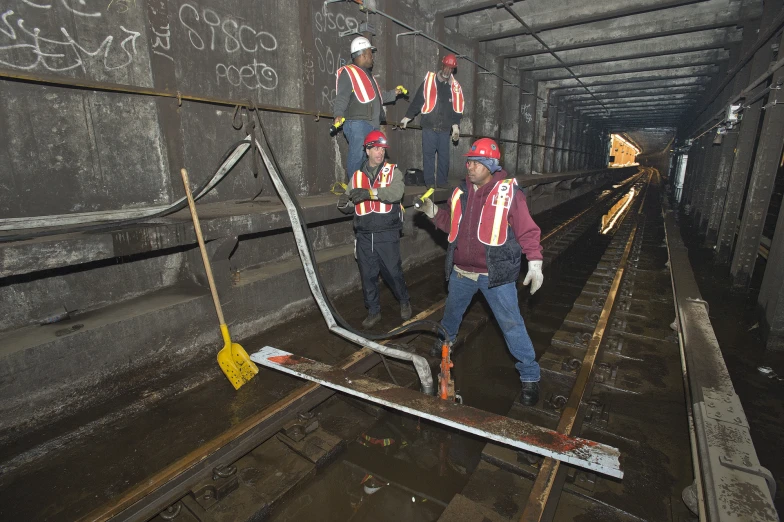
<point x="747" y="138"/>
<point x="730" y="142"/>
<point x="693" y="172"/>
<point x="549" y="151"/>
<point x="540" y="127"/>
<point x="573" y="143"/>
<point x="558" y="130"/>
<point x="711" y="168"/>
<point x="763" y="176"/>
<point x="771" y="296"/>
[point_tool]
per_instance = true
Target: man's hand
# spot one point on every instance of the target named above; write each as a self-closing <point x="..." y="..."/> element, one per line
<point x="337" y="121"/>
<point x="428" y="207"/>
<point x="401" y="90"/>
<point x="358" y="195"/>
<point x="343" y="200"/>
<point x="404" y="122"/>
<point x="455" y="133"/>
<point x="534" y="275"/>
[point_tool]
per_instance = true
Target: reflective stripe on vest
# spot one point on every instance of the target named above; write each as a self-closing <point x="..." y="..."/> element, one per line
<point x="430" y="90"/>
<point x="360" y="83"/>
<point x="384" y="179"/>
<point x="456" y="206"/>
<point x="494" y="221"/>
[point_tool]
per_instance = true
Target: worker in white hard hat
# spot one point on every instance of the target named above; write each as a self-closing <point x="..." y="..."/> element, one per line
<point x="359" y="101"/>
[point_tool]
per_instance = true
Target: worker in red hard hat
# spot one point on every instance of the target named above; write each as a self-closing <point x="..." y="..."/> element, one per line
<point x="489" y="229"/>
<point x="359" y="100"/>
<point x="441" y="102"/>
<point x="373" y="196"/>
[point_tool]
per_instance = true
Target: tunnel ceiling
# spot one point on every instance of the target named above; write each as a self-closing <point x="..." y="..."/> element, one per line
<point x="643" y="64"/>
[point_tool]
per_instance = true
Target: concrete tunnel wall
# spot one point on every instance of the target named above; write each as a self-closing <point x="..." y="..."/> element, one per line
<point x="140" y="294"/>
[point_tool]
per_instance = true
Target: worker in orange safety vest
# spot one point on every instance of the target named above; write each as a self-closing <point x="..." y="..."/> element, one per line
<point x="374" y="196"/>
<point x="359" y="101"/>
<point x="489" y="229"/>
<point x="441" y="102"/>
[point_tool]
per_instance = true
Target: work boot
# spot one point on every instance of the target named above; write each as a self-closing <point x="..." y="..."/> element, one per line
<point x="371" y="320"/>
<point x="405" y="310"/>
<point x="529" y="395"/>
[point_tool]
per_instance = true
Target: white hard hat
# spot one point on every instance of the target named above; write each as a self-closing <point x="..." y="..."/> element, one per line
<point x="360" y="43"/>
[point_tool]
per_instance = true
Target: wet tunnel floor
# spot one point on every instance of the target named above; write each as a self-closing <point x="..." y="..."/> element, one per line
<point x="68" y="469"/>
<point x="417" y="475"/>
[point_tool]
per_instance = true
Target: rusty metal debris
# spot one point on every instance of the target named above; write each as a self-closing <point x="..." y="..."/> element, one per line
<point x="576" y="451"/>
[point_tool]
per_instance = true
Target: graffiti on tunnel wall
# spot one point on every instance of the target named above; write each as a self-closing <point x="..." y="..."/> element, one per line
<point x="207" y="30"/>
<point x="42" y="35"/>
<point x="26" y="47"/>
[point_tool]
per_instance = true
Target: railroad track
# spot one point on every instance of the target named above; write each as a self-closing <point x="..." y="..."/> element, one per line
<point x="156" y="496"/>
<point x="611" y="374"/>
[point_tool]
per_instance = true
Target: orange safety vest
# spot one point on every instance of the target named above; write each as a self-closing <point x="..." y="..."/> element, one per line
<point x="493" y="223"/>
<point x="360" y="83"/>
<point x="431" y="93"/>
<point x="384" y="179"/>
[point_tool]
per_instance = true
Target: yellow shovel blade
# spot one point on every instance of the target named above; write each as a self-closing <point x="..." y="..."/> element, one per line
<point x="235" y="362"/>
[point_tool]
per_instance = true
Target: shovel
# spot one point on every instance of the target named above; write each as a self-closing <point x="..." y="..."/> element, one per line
<point x="233" y="359"/>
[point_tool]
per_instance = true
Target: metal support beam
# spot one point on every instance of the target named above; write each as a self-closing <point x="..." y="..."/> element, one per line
<point x="636" y="93"/>
<point x="667" y="67"/>
<point x="623" y="39"/>
<point x="619" y="12"/>
<point x="771" y="296"/>
<point x="730" y="139"/>
<point x="522" y="435"/>
<point x="703" y="75"/>
<point x="760" y="188"/>
<point x="747" y="136"/>
<point x="638" y="56"/>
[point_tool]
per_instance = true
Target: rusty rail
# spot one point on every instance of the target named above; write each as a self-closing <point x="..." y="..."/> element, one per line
<point x="540" y="494"/>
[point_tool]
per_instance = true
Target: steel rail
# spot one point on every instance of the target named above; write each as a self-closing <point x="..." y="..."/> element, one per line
<point x="165" y="487"/>
<point x="545" y="480"/>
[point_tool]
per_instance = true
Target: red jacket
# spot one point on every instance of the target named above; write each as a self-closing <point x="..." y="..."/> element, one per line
<point x="470" y="252"/>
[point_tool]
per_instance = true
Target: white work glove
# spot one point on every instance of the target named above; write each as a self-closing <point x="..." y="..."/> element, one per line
<point x="455" y="133"/>
<point x="404" y="122"/>
<point x="534" y="275"/>
<point x="428" y="207"/>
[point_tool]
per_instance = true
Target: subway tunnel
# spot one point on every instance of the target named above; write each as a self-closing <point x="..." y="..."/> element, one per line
<point x="642" y="137"/>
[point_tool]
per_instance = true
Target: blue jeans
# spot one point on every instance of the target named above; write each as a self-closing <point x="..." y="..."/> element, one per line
<point x="433" y="142"/>
<point x="355" y="132"/>
<point x="503" y="302"/>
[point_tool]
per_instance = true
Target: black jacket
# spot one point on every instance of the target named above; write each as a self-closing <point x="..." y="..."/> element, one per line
<point x="443" y="116"/>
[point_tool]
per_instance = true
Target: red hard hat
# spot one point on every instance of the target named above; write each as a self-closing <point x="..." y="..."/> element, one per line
<point x="484" y="148"/>
<point x="450" y="60"/>
<point x="376" y="138"/>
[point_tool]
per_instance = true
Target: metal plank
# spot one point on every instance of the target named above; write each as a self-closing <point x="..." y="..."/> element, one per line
<point x="578" y="452"/>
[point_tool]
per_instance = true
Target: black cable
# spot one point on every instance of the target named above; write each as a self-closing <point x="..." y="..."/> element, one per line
<point x="431" y="326"/>
<point x="123" y="223"/>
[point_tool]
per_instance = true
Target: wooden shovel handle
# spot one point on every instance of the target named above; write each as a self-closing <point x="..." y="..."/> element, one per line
<point x="200" y="238"/>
